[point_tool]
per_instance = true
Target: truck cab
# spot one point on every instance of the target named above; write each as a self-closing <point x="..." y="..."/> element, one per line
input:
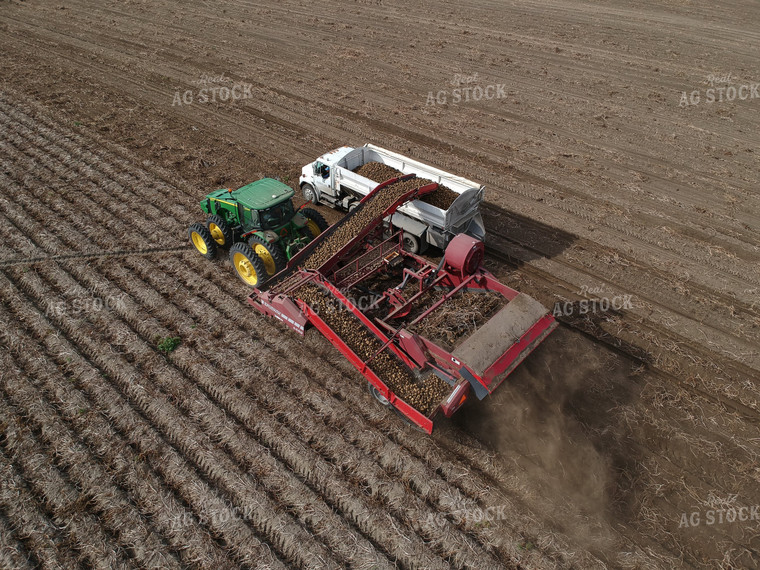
<point x="317" y="179"/>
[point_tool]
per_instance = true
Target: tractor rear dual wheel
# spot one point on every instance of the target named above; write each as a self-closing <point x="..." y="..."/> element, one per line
<point x="270" y="253"/>
<point x="201" y="238"/>
<point x="315" y="222"/>
<point x="249" y="266"/>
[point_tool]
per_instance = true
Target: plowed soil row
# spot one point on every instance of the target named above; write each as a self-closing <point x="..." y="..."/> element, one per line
<point x="199" y="263"/>
<point x="64" y="233"/>
<point x="64" y="229"/>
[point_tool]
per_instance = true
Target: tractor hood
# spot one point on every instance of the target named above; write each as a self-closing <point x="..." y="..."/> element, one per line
<point x="257" y="195"/>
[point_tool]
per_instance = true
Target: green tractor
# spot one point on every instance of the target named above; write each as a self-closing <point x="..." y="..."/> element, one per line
<point x="259" y="225"/>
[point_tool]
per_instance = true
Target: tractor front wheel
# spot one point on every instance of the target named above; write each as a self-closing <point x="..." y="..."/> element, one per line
<point x="249" y="266"/>
<point x="270" y="253"/>
<point x="219" y="230"/>
<point x="202" y="240"/>
<point x="315" y="222"/>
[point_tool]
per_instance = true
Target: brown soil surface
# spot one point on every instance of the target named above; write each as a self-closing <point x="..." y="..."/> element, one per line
<point x="248" y="446"/>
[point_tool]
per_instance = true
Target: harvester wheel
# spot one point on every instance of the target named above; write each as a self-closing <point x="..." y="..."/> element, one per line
<point x="309" y="194"/>
<point x="202" y="240"/>
<point x="249" y="266"/>
<point x="270" y="253"/>
<point x="219" y="230"/>
<point x="314" y="221"/>
<point x="384" y="401"/>
<point x="377" y="395"/>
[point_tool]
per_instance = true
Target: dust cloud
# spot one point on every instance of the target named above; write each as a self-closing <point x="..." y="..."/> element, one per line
<point x="547" y="426"/>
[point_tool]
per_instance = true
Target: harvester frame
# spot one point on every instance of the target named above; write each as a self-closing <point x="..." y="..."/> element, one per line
<point x="478" y="364"/>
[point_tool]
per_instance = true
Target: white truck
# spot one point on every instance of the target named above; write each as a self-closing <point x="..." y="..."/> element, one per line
<point x="330" y="180"/>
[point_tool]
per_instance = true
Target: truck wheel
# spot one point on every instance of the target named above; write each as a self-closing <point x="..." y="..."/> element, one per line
<point x="202" y="240"/>
<point x="270" y="253"/>
<point x="219" y="230"/>
<point x="314" y="221"/>
<point x="309" y="194"/>
<point x="413" y="244"/>
<point x="248" y="265"/>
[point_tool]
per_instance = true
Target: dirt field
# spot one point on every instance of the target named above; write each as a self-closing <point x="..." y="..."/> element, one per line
<point x="629" y="439"/>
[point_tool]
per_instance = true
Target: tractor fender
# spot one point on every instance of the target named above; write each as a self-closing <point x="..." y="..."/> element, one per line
<point x="266" y="235"/>
<point x="270" y="236"/>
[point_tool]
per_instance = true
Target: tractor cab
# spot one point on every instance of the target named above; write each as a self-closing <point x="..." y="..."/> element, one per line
<point x="269" y="199"/>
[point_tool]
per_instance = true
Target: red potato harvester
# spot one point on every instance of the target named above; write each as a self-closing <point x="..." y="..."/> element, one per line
<point x="402" y="294"/>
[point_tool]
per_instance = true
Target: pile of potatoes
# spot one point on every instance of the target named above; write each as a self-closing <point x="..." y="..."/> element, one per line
<point x="378" y="172"/>
<point x="352" y="224"/>
<point x="424" y="395"/>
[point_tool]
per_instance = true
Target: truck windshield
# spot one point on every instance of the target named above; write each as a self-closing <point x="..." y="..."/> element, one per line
<point x="274" y="217"/>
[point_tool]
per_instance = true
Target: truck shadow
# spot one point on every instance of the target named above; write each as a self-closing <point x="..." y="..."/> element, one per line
<point x="521" y="237"/>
